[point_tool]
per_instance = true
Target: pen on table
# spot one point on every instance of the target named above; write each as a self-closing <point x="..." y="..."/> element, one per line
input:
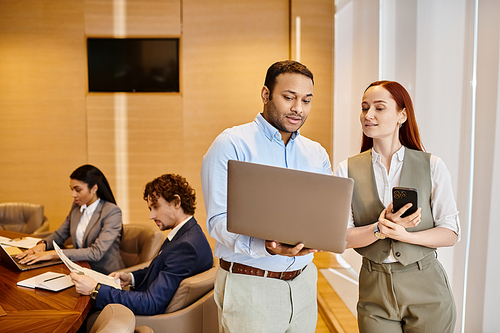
<point x="56" y="277"/>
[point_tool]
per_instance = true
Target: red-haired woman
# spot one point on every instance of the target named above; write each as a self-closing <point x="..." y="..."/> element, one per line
<point x="402" y="285"/>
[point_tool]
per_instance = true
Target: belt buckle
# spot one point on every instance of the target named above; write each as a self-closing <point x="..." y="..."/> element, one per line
<point x="281" y="276"/>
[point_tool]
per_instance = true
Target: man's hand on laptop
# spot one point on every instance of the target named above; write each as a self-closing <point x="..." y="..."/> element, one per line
<point x="281" y="249"/>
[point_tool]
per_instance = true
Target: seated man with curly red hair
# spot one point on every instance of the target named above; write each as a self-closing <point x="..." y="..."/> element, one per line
<point x="184" y="253"/>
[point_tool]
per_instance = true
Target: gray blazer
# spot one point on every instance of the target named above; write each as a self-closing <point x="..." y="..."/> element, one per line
<point x="101" y="240"/>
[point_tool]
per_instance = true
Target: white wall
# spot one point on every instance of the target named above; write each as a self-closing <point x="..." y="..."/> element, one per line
<point x="483" y="290"/>
<point x="355" y="65"/>
<point x="428" y="46"/>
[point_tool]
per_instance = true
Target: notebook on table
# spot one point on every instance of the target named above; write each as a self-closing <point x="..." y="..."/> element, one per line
<point x="288" y="206"/>
<point x="49" y="281"/>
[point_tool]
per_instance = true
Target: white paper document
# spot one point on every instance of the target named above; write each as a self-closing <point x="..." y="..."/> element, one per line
<point x="23" y="242"/>
<point x="4" y="239"/>
<point x="49" y="281"/>
<point x="75" y="268"/>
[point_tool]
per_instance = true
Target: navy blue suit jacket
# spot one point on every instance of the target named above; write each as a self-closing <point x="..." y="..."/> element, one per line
<point x="187" y="254"/>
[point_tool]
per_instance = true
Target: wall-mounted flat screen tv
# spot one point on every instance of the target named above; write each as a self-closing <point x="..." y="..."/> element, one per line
<point x="133" y="64"/>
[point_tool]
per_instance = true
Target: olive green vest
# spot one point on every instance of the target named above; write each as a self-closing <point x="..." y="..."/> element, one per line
<point x="366" y="204"/>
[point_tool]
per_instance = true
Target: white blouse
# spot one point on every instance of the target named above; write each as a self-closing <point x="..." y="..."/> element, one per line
<point x="84" y="221"/>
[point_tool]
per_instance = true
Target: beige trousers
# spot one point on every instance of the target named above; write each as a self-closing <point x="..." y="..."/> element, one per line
<point x="257" y="304"/>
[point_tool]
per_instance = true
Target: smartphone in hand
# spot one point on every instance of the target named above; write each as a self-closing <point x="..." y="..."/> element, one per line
<point x="403" y="195"/>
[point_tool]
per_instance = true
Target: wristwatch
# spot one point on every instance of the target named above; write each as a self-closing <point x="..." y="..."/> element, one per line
<point x="93" y="293"/>
<point x="377" y="232"/>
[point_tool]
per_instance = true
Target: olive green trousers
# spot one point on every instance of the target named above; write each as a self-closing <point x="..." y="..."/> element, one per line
<point x="412" y="298"/>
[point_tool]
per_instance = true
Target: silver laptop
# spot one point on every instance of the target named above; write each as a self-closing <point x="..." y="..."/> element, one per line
<point x="289" y="206"/>
<point x="13" y="261"/>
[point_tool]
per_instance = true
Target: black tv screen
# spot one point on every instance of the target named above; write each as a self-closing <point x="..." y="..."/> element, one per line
<point x="133" y="64"/>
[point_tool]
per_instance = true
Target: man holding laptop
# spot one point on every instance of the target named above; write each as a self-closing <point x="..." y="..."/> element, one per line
<point x="264" y="285"/>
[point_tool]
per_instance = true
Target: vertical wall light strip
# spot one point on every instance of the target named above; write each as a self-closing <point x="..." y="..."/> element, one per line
<point x="380" y="37"/>
<point x="119" y="18"/>
<point x="471" y="167"/>
<point x="121" y="154"/>
<point x="297" y="38"/>
<point x="121" y="123"/>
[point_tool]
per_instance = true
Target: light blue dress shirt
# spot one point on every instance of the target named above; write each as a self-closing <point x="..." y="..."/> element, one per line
<point x="256" y="142"/>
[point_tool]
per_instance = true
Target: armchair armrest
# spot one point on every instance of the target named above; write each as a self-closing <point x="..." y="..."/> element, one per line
<point x="200" y="316"/>
<point x="42" y="230"/>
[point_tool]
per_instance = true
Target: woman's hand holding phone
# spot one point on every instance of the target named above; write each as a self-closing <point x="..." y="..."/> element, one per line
<point x="393" y="226"/>
<point x="404" y="209"/>
<point x="407" y="222"/>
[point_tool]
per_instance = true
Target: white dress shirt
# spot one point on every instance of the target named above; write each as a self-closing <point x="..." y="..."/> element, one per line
<point x="174" y="231"/>
<point x="256" y="142"/>
<point x="84" y="221"/>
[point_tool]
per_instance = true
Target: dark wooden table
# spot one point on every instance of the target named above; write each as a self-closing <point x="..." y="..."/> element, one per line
<point x="37" y="310"/>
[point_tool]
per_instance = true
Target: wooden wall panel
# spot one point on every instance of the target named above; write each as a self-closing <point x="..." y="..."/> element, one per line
<point x="51" y="124"/>
<point x="153" y="122"/>
<point x="99" y="18"/>
<point x="144" y="18"/>
<point x="42" y="102"/>
<point x="155" y="145"/>
<point x="101" y="134"/>
<point x="154" y="140"/>
<point x="316" y="52"/>
<point x="228" y="46"/>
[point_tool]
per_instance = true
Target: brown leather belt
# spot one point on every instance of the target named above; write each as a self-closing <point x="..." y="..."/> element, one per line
<point x="249" y="270"/>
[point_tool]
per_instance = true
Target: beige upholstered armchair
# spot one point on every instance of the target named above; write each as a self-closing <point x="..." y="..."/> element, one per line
<point x="117" y="318"/>
<point x="139" y="245"/>
<point x="23" y="217"/>
<point x="192" y="309"/>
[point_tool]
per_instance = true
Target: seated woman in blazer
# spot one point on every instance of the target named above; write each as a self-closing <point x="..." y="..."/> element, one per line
<point x="94" y="225"/>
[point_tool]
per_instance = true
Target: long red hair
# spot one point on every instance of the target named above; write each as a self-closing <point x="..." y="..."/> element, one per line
<point x="408" y="133"/>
